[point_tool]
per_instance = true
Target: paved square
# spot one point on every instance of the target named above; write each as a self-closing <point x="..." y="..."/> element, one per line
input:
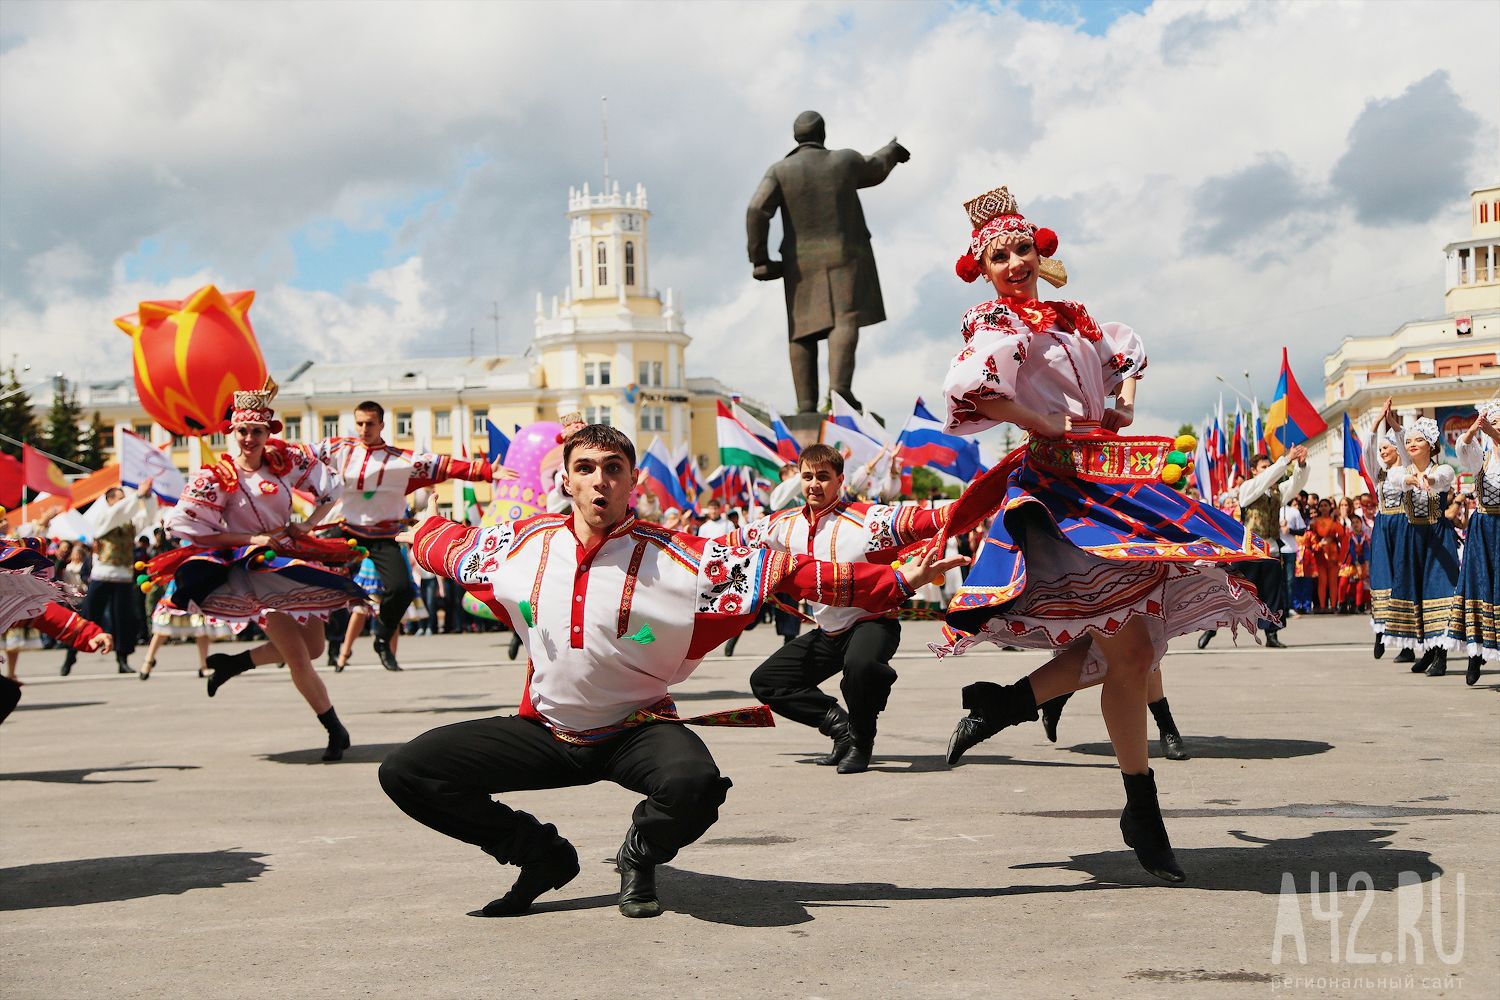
<point x="159" y="844"/>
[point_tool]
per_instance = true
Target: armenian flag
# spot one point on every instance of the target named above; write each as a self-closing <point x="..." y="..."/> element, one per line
<point x="1291" y="419"/>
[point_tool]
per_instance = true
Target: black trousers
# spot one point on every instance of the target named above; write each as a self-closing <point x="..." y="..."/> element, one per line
<point x="117" y="599"/>
<point x="395" y="578"/>
<point x="788" y="681"/>
<point x="445" y="777"/>
<point x="1270" y="583"/>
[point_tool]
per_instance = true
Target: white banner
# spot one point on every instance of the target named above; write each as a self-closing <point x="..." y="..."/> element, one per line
<point x="141" y="460"/>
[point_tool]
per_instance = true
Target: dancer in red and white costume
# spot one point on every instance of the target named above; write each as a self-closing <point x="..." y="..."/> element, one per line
<point x="853" y="641"/>
<point x="614" y="611"/>
<point x="248" y="561"/>
<point x="377" y="478"/>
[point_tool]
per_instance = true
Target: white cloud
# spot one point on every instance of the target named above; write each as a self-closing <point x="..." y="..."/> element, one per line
<point x="223" y="130"/>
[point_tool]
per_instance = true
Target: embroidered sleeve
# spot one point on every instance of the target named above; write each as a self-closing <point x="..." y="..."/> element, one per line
<point x="459" y="552"/>
<point x="874" y="586"/>
<point x="894" y="528"/>
<point x="66" y="626"/>
<point x="310" y="474"/>
<point x="760" y="533"/>
<point x="200" y="510"/>
<point x="995" y="346"/>
<point x="429" y="469"/>
<point x="1121" y="355"/>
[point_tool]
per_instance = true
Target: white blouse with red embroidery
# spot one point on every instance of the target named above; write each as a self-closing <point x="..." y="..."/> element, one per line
<point x="1051" y="357"/>
<point x="260" y="502"/>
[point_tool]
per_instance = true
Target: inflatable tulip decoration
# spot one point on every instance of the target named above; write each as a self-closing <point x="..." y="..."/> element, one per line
<point x="191" y="356"/>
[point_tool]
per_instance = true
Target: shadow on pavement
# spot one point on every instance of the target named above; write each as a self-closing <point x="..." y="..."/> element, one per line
<point x="1260" y="868"/>
<point x="134" y="876"/>
<point x="80" y="775"/>
<point x="23" y="707"/>
<point x="1224" y="748"/>
<point x="742" y="902"/>
<point x="360" y="753"/>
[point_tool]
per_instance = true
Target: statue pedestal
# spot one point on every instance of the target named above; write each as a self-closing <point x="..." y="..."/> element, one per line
<point x="805" y="427"/>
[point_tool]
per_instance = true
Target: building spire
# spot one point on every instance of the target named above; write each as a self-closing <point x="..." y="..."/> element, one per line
<point x="604" y="125"/>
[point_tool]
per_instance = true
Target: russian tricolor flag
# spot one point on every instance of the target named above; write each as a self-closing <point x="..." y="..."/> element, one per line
<point x="659" y="479"/>
<point x="1354" y="455"/>
<point x="728" y="485"/>
<point x="924" y="444"/>
<point x="786" y="445"/>
<point x="687" y="475"/>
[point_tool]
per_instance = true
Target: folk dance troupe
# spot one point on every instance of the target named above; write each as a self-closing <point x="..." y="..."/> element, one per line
<point x="1093" y="553"/>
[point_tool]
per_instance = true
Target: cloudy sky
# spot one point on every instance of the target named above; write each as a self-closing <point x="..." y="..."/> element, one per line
<point x="1225" y="177"/>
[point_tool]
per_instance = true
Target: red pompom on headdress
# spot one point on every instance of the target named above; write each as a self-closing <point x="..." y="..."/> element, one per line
<point x="967" y="268"/>
<point x="1046" y="242"/>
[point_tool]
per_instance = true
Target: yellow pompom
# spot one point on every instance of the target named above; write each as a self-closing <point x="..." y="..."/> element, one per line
<point x="1185" y="443"/>
<point x="1171" y="473"/>
<point x="147" y="587"/>
<point x="139" y="566"/>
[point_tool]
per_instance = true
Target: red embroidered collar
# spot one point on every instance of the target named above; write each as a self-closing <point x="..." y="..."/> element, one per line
<point x="1039" y="316"/>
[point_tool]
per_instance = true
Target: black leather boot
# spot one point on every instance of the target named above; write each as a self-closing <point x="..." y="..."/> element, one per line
<point x="122" y="665"/>
<point x="636" y="862"/>
<point x="1406" y="656"/>
<point x="547" y="862"/>
<point x="857" y="760"/>
<point x="1273" y="638"/>
<point x="70" y="658"/>
<point x="1420" y="666"/>
<point x="1171" y="740"/>
<point x="835" y="725"/>
<point x="1206" y="637"/>
<point x="1379" y="646"/>
<point x="223" y="666"/>
<point x="1144" y="832"/>
<point x="992" y="707"/>
<point x="338" y="736"/>
<point x="1439" y="665"/>
<point x="1051" y="713"/>
<point x="1471" y="676"/>
<point x="386" y="654"/>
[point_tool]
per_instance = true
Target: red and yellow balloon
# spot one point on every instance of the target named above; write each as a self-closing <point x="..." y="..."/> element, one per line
<point x="192" y="355"/>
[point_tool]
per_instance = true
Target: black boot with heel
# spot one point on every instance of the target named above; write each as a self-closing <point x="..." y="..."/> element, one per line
<point x="1144" y="831"/>
<point x="992" y="707"/>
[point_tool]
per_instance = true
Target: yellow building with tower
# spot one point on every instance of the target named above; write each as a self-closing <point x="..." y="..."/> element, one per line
<point x="608" y="346"/>
<point x="1433" y="367"/>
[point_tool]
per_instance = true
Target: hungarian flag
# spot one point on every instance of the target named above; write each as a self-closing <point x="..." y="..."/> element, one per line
<point x="1291" y="419"/>
<point x="42" y="474"/>
<point x="739" y="447"/>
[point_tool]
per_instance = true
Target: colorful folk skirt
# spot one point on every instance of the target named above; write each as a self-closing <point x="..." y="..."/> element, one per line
<point x="1087" y="537"/>
<point x="245" y="584"/>
<point x="1387" y="535"/>
<point x="26" y="581"/>
<point x="167" y="620"/>
<point x="1474" y="621"/>
<point x="1424" y="586"/>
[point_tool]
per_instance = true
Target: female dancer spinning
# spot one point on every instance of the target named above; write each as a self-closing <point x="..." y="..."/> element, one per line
<point x="246" y="561"/>
<point x="1093" y="554"/>
<point x="1474" y="622"/>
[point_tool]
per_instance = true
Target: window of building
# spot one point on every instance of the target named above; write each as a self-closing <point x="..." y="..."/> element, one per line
<point x="653" y="418"/>
<point x="629" y="262"/>
<point x="479" y="418"/>
<point x="403" y="423"/>
<point x="293" y="429"/>
<point x="179" y="441"/>
<point x="597" y="415"/>
<point x="649" y="372"/>
<point x="656" y="373"/>
<point x="330" y="425"/>
<point x="604" y="373"/>
<point x="580" y="267"/>
<point x="589" y="374"/>
<point x="216" y="441"/>
<point x="143" y="430"/>
<point x="601" y="259"/>
<point x="442" y="423"/>
<point x="1484" y="213"/>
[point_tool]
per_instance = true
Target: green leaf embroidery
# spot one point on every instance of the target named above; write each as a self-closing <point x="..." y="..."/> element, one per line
<point x="643" y="635"/>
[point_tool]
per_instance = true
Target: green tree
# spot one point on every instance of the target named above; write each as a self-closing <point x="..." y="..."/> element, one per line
<point x="16" y="421"/>
<point x="924" y="481"/>
<point x="1186" y="429"/>
<point x="61" y="435"/>
<point x="92" y="443"/>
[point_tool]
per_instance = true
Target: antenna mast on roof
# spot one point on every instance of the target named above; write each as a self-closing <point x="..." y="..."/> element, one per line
<point x="604" y="125"/>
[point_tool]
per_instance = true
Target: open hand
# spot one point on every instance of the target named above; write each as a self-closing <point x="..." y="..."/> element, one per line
<point x="102" y="643"/>
<point x="929" y="566"/>
<point x="504" y="473"/>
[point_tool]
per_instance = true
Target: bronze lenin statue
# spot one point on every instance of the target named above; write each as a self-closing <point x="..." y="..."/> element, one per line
<point x="827" y="263"/>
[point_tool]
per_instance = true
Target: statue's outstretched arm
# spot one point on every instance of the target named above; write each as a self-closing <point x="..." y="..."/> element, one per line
<point x="878" y="166"/>
<point x="763" y="205"/>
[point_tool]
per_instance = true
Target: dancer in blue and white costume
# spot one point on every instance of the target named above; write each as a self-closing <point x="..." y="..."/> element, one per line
<point x="1474" y="622"/>
<point x="1390" y="520"/>
<point x="1424" y="558"/>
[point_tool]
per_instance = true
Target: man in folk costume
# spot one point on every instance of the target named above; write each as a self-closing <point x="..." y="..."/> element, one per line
<point x="1261" y="504"/>
<point x="604" y="648"/>
<point x="377" y="478"/>
<point x="857" y="642"/>
<point x="116" y="519"/>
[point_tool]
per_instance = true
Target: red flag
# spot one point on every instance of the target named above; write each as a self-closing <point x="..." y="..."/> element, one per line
<point x="40" y="473"/>
<point x="11" y="481"/>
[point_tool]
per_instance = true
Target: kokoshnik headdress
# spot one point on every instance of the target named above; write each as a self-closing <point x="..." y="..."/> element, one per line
<point x="252" y="407"/>
<point x="996" y="219"/>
